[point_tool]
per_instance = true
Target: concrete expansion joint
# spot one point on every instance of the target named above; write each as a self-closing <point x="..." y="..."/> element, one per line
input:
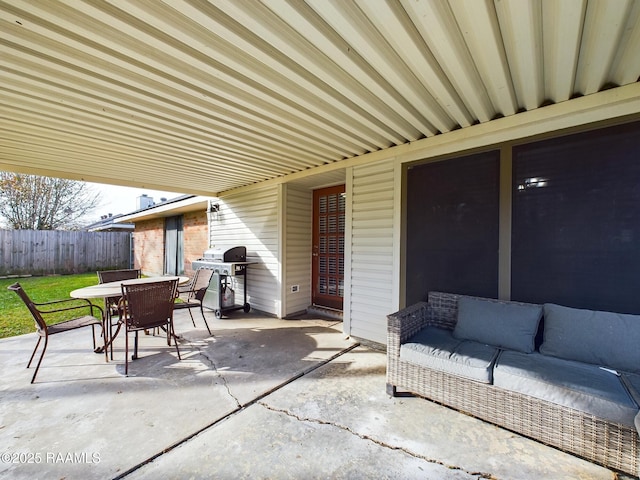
<point x="318" y="421"/>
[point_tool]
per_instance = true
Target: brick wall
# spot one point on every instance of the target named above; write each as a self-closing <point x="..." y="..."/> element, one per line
<point x="149" y="243"/>
<point x="196" y="238"/>
<point x="148" y="246"/>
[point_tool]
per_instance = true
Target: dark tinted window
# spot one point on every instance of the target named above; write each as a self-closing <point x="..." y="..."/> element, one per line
<point x="576" y="220"/>
<point x="452" y="227"/>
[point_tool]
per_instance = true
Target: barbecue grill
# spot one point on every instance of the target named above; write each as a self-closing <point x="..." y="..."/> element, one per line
<point x="229" y="265"/>
<point x="227" y="261"/>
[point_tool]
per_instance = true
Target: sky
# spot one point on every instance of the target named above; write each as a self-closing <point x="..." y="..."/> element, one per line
<point x="116" y="199"/>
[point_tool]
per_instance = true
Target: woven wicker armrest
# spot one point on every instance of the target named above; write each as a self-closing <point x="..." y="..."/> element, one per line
<point x="405" y="323"/>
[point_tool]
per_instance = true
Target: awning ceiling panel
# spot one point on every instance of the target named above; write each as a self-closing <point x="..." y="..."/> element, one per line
<point x="205" y="96"/>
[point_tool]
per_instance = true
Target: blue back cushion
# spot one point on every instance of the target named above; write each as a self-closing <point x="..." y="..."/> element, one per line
<point x="601" y="338"/>
<point x="511" y="326"/>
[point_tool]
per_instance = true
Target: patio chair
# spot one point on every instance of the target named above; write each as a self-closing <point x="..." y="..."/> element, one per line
<point x="111" y="303"/>
<point x="95" y="317"/>
<point x="105" y="276"/>
<point x="146" y="306"/>
<point x="190" y="295"/>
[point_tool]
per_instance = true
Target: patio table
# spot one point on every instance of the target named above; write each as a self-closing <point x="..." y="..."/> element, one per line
<point x="114" y="289"/>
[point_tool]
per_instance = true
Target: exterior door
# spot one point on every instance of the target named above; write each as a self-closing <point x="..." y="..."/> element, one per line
<point x="328" y="247"/>
<point x="173" y="246"/>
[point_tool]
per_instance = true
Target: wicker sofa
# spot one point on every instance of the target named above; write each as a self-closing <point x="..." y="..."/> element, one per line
<point x="517" y="365"/>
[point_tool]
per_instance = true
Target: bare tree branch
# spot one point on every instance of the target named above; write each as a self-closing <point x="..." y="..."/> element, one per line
<point x="30" y="202"/>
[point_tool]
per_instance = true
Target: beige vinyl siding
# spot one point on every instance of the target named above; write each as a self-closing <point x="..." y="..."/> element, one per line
<point x="252" y="219"/>
<point x="297" y="247"/>
<point x="372" y="273"/>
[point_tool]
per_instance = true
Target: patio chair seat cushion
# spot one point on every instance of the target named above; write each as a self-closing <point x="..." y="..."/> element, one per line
<point x="438" y="349"/>
<point x="599" y="338"/>
<point x="583" y="387"/>
<point x="511" y="326"/>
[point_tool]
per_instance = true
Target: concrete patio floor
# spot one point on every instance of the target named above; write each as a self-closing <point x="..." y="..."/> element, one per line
<point x="263" y="398"/>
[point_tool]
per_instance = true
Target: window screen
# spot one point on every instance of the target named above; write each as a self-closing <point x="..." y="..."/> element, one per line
<point x="576" y="220"/>
<point x="452" y="226"/>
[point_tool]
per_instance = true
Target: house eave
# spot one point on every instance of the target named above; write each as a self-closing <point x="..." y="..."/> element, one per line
<point x="168" y="209"/>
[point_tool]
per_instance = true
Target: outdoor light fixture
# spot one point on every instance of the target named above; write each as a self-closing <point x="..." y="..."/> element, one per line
<point x="213" y="211"/>
<point x="533" y="182"/>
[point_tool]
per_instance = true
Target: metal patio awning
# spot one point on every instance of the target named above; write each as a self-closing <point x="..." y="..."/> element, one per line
<point x="205" y="96"/>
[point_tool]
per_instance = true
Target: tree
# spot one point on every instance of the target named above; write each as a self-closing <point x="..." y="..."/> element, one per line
<point x="30" y="202"/>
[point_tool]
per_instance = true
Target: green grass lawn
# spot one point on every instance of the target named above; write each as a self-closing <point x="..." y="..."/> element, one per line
<point x="15" y="318"/>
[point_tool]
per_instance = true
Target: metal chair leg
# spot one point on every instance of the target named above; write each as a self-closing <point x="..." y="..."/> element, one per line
<point x="44" y="349"/>
<point x="175" y="340"/>
<point x="135" y="347"/>
<point x="113" y="336"/>
<point x="205" y="320"/>
<point x="34" y="352"/>
<point x="126" y="354"/>
<point x="104" y="337"/>
<point x="191" y="315"/>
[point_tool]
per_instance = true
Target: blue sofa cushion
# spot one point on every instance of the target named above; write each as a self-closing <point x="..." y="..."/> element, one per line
<point x="600" y="338"/>
<point x="438" y="349"/>
<point x="632" y="382"/>
<point x="507" y="325"/>
<point x="583" y="387"/>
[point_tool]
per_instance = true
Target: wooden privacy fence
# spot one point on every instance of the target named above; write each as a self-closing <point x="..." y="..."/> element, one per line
<point x="47" y="252"/>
